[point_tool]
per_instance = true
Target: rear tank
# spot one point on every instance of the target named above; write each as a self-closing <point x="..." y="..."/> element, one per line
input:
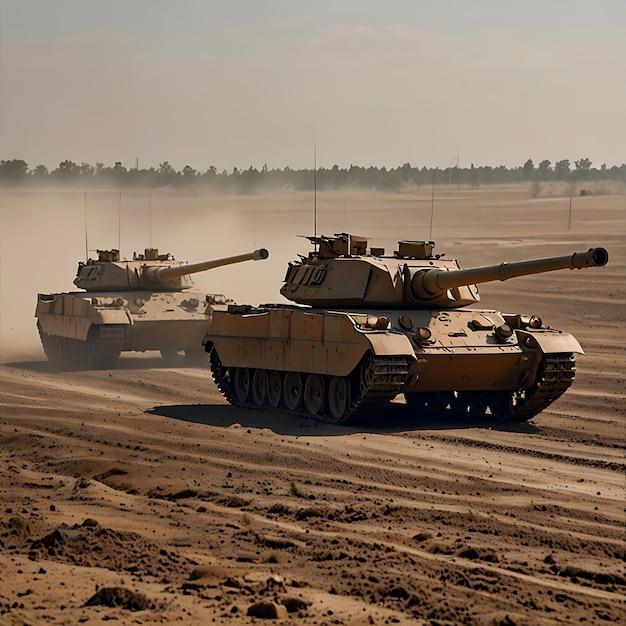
<point x="144" y="304"/>
<point x="375" y="326"/>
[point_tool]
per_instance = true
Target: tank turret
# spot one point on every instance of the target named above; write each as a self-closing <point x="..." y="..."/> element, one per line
<point x="148" y="271"/>
<point x="345" y="271"/>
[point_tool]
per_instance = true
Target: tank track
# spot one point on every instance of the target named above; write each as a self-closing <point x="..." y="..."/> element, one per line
<point x="219" y="376"/>
<point x="554" y="379"/>
<point x="378" y="380"/>
<point x="374" y="383"/>
<point x="381" y="380"/>
<point x="101" y="350"/>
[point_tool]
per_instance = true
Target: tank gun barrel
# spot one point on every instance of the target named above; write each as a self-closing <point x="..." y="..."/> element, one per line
<point x="431" y="282"/>
<point x="164" y="274"/>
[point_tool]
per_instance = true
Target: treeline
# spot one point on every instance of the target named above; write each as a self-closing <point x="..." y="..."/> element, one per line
<point x="17" y="172"/>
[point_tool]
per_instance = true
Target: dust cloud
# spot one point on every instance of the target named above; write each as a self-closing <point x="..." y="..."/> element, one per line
<point x="44" y="234"/>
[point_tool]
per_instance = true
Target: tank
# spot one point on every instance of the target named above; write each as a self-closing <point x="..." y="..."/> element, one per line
<point x="367" y="327"/>
<point x="144" y="304"/>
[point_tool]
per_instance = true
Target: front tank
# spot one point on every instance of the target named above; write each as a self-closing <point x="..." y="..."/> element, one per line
<point x="370" y="327"/>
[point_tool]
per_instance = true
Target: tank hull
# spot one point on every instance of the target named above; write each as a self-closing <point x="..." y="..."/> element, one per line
<point x="340" y="365"/>
<point x="92" y="329"/>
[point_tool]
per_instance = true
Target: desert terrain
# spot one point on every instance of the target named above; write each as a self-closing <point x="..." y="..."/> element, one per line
<point x="138" y="495"/>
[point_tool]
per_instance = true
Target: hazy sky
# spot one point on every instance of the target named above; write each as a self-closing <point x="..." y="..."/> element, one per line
<point x="252" y="82"/>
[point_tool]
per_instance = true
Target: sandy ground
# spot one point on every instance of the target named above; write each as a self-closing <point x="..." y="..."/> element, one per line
<point x="138" y="495"/>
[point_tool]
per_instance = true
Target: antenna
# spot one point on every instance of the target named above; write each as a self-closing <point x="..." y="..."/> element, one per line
<point x="86" y="245"/>
<point x="432" y="208"/>
<point x="150" y="211"/>
<point x="315" y="195"/>
<point x="569" y="223"/>
<point x="119" y="224"/>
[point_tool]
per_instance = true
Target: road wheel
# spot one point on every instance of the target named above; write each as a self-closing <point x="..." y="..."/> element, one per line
<point x="242" y="383"/>
<point x="259" y="387"/>
<point x="293" y="390"/>
<point x="338" y="397"/>
<point x="274" y="389"/>
<point x="313" y="394"/>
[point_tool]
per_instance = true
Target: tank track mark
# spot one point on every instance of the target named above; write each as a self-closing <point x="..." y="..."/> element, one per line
<point x="101" y="349"/>
<point x="373" y="384"/>
<point x="555" y="375"/>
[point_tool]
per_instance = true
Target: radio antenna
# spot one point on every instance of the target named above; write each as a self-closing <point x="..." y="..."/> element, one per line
<point x="86" y="244"/>
<point x="315" y="197"/>
<point x="569" y="223"/>
<point x="150" y="211"/>
<point x="119" y="224"/>
<point x="432" y="209"/>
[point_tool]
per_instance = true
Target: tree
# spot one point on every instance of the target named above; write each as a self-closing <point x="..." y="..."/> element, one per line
<point x="529" y="170"/>
<point x="41" y="171"/>
<point x="562" y="169"/>
<point x="543" y="171"/>
<point x="66" y="171"/>
<point x="582" y="168"/>
<point x="167" y="174"/>
<point x="13" y="171"/>
<point x="165" y="169"/>
<point x="210" y="175"/>
<point x="86" y="170"/>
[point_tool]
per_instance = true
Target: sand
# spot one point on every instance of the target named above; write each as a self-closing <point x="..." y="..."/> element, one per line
<point x="137" y="494"/>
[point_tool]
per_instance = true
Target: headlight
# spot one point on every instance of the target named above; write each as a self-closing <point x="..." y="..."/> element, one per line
<point x="422" y="335"/>
<point x="503" y="332"/>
